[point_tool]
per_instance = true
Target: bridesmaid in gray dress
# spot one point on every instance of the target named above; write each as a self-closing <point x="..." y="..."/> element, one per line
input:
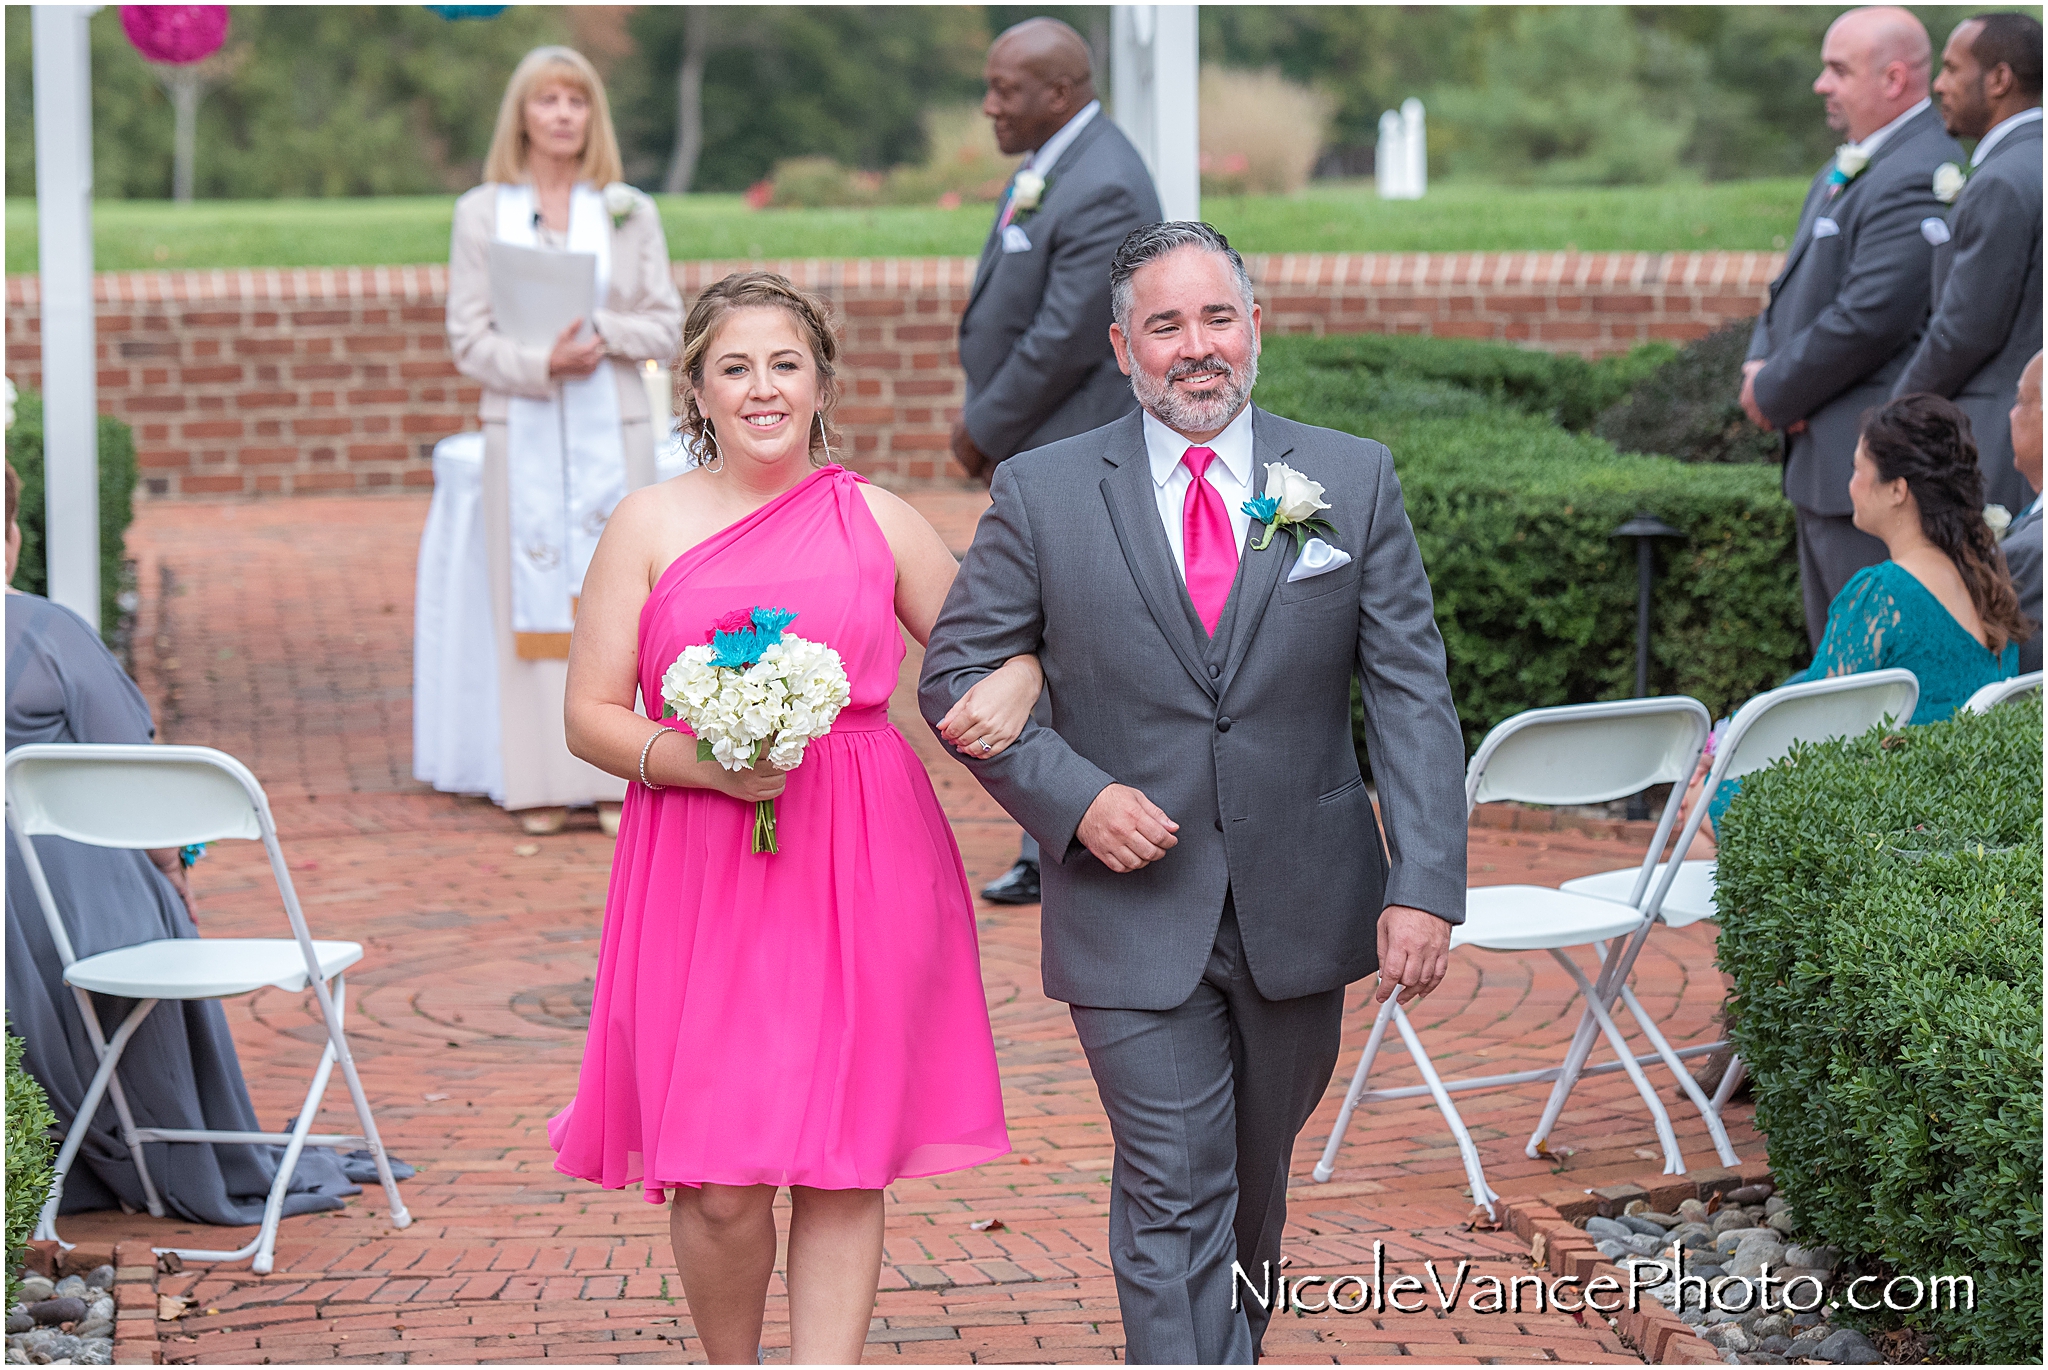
<point x="180" y="1070"/>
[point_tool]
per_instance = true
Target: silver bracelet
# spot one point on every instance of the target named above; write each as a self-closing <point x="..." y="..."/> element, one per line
<point x="645" y="748"/>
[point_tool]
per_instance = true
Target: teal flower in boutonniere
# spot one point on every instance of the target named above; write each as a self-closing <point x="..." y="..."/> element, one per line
<point x="1291" y="501"/>
<point x="1849" y="163"/>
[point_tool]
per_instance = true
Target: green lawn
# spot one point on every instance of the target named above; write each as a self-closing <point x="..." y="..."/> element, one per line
<point x="141" y="234"/>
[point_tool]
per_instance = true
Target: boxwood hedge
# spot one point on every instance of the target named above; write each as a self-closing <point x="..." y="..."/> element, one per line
<point x="31" y="1158"/>
<point x="118" y="474"/>
<point x="1880" y="904"/>
<point x="1515" y="513"/>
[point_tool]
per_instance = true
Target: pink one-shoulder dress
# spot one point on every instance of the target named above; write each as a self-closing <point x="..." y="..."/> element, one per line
<point x="813" y="1016"/>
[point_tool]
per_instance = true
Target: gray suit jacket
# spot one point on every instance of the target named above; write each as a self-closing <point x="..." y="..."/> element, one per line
<point x="1987" y="306"/>
<point x="1245" y="741"/>
<point x="2022" y="547"/>
<point x="1844" y="310"/>
<point x="1034" y="340"/>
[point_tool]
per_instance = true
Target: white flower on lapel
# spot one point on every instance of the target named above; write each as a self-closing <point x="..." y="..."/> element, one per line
<point x="1300" y="498"/>
<point x="1999" y="517"/>
<point x="620" y="200"/>
<point x="1030" y="189"/>
<point x="1291" y="501"/>
<point x="1850" y="161"/>
<point x="1948" y="182"/>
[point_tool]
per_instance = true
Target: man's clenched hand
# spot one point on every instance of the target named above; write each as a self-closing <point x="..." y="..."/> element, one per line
<point x="1125" y="830"/>
<point x="1415" y="951"/>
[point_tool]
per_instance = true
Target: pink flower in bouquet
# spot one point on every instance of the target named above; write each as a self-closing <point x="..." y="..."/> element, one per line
<point x="738" y="621"/>
<point x="175" y="33"/>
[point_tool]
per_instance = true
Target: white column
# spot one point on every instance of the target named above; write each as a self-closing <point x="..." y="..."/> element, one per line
<point x="71" y="462"/>
<point x="1418" y="147"/>
<point x="1389" y="157"/>
<point x="1155" y="73"/>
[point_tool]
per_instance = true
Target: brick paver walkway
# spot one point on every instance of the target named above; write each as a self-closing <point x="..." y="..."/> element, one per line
<point x="281" y="632"/>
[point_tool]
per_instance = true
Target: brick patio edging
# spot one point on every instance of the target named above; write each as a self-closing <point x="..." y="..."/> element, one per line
<point x="1550" y="1224"/>
<point x="135" y="1336"/>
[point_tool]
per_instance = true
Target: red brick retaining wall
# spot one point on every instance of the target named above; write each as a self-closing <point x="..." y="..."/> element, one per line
<point x="306" y="380"/>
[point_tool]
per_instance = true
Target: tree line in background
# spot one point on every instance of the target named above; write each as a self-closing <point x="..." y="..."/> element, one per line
<point x="381" y="100"/>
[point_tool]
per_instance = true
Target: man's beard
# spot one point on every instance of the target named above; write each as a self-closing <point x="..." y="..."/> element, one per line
<point x="1185" y="413"/>
<point x="1969" y="114"/>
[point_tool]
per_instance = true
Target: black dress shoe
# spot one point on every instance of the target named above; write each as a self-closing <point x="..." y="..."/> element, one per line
<point x="1018" y="886"/>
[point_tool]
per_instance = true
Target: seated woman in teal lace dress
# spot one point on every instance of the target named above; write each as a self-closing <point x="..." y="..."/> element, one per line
<point x="1943" y="606"/>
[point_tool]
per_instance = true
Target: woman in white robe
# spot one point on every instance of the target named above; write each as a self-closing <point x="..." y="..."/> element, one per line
<point x="567" y="429"/>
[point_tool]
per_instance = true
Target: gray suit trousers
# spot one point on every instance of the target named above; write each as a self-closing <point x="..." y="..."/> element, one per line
<point x="1203" y="1144"/>
<point x="1831" y="549"/>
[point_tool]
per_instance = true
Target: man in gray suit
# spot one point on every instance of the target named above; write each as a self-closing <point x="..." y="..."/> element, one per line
<point x="1215" y="875"/>
<point x="1987" y="256"/>
<point x="1853" y="292"/>
<point x="1034" y="340"/>
<point x="2022" y="544"/>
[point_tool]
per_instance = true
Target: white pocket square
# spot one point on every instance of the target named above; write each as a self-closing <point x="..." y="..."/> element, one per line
<point x="1825" y="228"/>
<point x="1014" y="240"/>
<point x="1317" y="558"/>
<point x="1934" y="231"/>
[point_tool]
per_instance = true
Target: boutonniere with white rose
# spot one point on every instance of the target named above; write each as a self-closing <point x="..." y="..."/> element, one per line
<point x="1025" y="193"/>
<point x="1849" y="163"/>
<point x="1291" y="501"/>
<point x="1999" y="518"/>
<point x="620" y="200"/>
<point x="1949" y="180"/>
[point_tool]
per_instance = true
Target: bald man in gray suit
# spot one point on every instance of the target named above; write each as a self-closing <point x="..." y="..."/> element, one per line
<point x="1987" y="253"/>
<point x="1853" y="293"/>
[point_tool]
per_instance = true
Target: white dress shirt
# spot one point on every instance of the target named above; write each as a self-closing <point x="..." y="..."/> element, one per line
<point x="1998" y="131"/>
<point x="1876" y="140"/>
<point x="1042" y="160"/>
<point x="1230" y="473"/>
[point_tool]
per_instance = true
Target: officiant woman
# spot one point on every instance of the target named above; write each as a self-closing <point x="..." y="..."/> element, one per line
<point x="566" y="427"/>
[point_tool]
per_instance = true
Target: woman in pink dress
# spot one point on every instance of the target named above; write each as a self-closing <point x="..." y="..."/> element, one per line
<point x="812" y="1018"/>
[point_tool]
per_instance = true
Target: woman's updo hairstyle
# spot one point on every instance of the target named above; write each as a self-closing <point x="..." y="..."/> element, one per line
<point x="755" y="290"/>
<point x="1925" y="441"/>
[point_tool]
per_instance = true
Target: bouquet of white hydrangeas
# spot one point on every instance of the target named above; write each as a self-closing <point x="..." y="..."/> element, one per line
<point x="753" y="690"/>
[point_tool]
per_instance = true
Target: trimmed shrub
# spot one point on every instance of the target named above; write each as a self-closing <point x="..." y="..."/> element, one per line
<point x="1880" y="905"/>
<point x="117" y="503"/>
<point x="31" y="1159"/>
<point x="1690" y="407"/>
<point x="1534" y="595"/>
<point x="1569" y="391"/>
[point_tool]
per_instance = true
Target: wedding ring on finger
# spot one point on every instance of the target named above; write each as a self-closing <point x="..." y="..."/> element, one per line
<point x="983" y="744"/>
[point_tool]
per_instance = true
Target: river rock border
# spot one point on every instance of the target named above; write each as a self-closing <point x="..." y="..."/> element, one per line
<point x="135" y="1306"/>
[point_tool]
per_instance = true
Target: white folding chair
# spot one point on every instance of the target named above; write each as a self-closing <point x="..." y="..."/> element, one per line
<point x="1998" y="691"/>
<point x="142" y="797"/>
<point x="1578" y="754"/>
<point x="1761" y="732"/>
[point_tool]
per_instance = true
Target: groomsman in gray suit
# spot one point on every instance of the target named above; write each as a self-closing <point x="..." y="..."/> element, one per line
<point x="1853" y="292"/>
<point x="1214" y="872"/>
<point x="2023" y="540"/>
<point x="1034" y="340"/>
<point x="1987" y="255"/>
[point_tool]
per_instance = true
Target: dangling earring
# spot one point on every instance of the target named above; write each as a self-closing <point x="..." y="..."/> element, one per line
<point x="716" y="451"/>
<point x="823" y="438"/>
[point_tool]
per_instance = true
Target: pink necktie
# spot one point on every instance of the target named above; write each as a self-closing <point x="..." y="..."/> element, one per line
<point x="1208" y="547"/>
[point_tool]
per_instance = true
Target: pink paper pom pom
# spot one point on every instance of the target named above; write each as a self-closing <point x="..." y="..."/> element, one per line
<point x="175" y="33"/>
